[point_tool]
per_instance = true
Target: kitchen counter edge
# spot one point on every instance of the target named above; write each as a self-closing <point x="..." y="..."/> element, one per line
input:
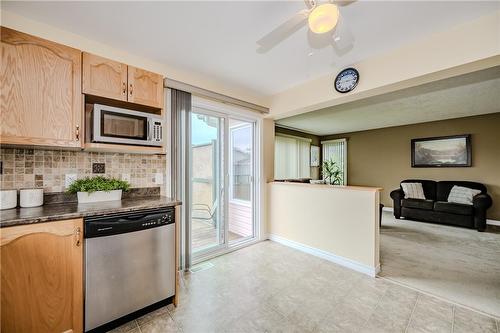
<point x="73" y="210"/>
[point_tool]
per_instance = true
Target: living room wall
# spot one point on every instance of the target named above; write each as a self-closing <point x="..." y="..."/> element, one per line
<point x="315" y="141"/>
<point x="382" y="158"/>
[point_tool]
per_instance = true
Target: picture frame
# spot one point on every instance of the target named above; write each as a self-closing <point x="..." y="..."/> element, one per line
<point x="441" y="152"/>
<point x="314" y="156"/>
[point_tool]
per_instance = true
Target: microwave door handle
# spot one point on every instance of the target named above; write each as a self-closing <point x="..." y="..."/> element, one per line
<point x="149" y="129"/>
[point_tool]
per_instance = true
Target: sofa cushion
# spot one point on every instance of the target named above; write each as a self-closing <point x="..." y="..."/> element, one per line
<point x="429" y="187"/>
<point x="453" y="208"/>
<point x="462" y="195"/>
<point x="413" y="190"/>
<point x="444" y="188"/>
<point x="418" y="203"/>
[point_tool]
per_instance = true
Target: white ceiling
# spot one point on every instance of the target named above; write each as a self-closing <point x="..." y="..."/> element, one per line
<point x="217" y="39"/>
<point x="467" y="95"/>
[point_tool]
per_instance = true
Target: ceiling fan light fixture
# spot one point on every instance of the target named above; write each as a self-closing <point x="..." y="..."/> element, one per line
<point x="323" y="18"/>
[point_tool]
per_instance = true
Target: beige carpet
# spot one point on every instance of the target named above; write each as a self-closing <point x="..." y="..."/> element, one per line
<point x="460" y="265"/>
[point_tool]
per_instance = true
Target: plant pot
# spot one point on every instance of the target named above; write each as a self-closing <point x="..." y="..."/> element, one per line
<point x="99" y="196"/>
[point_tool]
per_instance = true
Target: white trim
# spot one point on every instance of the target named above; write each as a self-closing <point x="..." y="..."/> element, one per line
<point x="294" y="137"/>
<point x="493" y="222"/>
<point x="488" y="221"/>
<point x="354" y="265"/>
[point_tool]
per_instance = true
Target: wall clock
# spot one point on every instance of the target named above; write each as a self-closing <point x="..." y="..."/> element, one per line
<point x="346" y="80"/>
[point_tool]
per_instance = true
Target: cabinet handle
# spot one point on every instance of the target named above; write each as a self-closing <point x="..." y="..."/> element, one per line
<point x="78" y="236"/>
<point x="131" y="89"/>
<point x="77" y="133"/>
<point x="124" y="88"/>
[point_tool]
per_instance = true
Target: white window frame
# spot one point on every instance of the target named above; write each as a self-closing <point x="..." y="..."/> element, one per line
<point x="323" y="154"/>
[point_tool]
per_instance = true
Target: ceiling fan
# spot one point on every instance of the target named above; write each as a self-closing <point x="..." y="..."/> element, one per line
<point x="324" y="21"/>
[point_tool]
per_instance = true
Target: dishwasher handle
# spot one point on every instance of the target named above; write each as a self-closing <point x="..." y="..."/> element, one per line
<point x="113" y="225"/>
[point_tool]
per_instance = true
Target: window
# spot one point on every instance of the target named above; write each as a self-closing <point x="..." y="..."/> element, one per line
<point x="241" y="162"/>
<point x="291" y="157"/>
<point x="336" y="150"/>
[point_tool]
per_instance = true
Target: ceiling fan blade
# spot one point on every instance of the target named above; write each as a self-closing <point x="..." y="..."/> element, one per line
<point x="283" y="31"/>
<point x="343" y="3"/>
<point x="343" y="38"/>
<point x="310" y="3"/>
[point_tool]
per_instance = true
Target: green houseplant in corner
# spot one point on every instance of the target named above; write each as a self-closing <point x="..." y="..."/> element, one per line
<point x="98" y="188"/>
<point x="332" y="173"/>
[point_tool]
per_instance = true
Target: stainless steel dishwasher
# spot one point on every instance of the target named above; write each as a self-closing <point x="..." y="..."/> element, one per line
<point x="129" y="265"/>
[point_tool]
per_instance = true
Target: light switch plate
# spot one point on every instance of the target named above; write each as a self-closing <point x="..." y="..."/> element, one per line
<point x="69" y="179"/>
<point x="158" y="178"/>
<point x="126" y="177"/>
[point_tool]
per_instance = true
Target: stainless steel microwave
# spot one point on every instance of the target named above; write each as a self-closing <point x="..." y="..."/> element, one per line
<point x="122" y="126"/>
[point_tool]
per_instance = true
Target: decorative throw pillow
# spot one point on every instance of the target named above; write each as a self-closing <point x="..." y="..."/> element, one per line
<point x="462" y="195"/>
<point x="413" y="190"/>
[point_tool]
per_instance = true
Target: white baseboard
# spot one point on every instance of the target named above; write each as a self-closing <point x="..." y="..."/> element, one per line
<point x="493" y="222"/>
<point x="488" y="221"/>
<point x="354" y="265"/>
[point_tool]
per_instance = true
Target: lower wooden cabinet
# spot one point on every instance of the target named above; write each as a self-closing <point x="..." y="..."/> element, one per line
<point x="41" y="277"/>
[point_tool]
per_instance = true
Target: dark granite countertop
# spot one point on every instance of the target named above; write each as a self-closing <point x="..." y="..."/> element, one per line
<point x="71" y="210"/>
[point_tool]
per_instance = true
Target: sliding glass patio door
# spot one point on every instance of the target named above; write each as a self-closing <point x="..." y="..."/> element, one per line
<point x="221" y="166"/>
<point x="207" y="182"/>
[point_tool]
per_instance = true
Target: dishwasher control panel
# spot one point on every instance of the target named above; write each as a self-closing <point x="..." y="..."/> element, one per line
<point x="98" y="226"/>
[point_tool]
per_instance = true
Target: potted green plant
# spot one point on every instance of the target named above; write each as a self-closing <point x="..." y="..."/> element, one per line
<point x="332" y="173"/>
<point x="98" y="188"/>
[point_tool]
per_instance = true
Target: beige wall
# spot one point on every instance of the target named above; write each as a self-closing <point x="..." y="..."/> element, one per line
<point x="315" y="141"/>
<point x="339" y="221"/>
<point x="382" y="157"/>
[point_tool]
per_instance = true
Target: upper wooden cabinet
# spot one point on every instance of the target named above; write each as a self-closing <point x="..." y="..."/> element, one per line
<point x="40" y="83"/>
<point x="145" y="87"/>
<point x="107" y="78"/>
<point x="42" y="277"/>
<point x="104" y="77"/>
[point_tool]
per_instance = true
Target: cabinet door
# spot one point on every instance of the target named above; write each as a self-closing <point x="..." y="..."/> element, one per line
<point x="41" y="275"/>
<point x="145" y="87"/>
<point x="41" y="99"/>
<point x="104" y="77"/>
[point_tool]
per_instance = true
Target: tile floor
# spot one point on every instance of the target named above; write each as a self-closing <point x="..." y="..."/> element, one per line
<point x="268" y="287"/>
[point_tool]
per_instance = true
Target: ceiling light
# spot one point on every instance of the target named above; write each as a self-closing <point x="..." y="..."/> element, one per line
<point x="323" y="18"/>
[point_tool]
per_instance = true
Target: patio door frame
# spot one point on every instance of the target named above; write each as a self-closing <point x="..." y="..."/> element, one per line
<point x="226" y="112"/>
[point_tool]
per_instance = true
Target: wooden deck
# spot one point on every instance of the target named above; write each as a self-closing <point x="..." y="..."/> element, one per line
<point x="204" y="234"/>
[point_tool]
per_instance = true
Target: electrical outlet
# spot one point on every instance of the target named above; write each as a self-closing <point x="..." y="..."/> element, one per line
<point x="69" y="179"/>
<point x="126" y="177"/>
<point x="98" y="168"/>
<point x="158" y="178"/>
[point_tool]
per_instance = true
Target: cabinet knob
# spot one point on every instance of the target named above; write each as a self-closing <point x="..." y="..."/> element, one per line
<point x="131" y="89"/>
<point x="77" y="132"/>
<point x="124" y="88"/>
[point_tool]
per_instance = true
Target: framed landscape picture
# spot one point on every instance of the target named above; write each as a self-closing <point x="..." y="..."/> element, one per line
<point x="444" y="151"/>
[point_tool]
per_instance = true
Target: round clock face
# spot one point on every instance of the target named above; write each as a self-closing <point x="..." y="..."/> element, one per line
<point x="346" y="80"/>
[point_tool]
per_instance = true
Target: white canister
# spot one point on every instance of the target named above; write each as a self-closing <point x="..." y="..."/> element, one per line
<point x="32" y="197"/>
<point x="8" y="199"/>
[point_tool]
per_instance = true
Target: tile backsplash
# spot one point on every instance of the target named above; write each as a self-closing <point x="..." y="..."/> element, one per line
<point x="47" y="169"/>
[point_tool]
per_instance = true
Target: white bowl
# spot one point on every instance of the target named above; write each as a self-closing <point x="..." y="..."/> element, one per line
<point x="31" y="197"/>
<point x="8" y="199"/>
